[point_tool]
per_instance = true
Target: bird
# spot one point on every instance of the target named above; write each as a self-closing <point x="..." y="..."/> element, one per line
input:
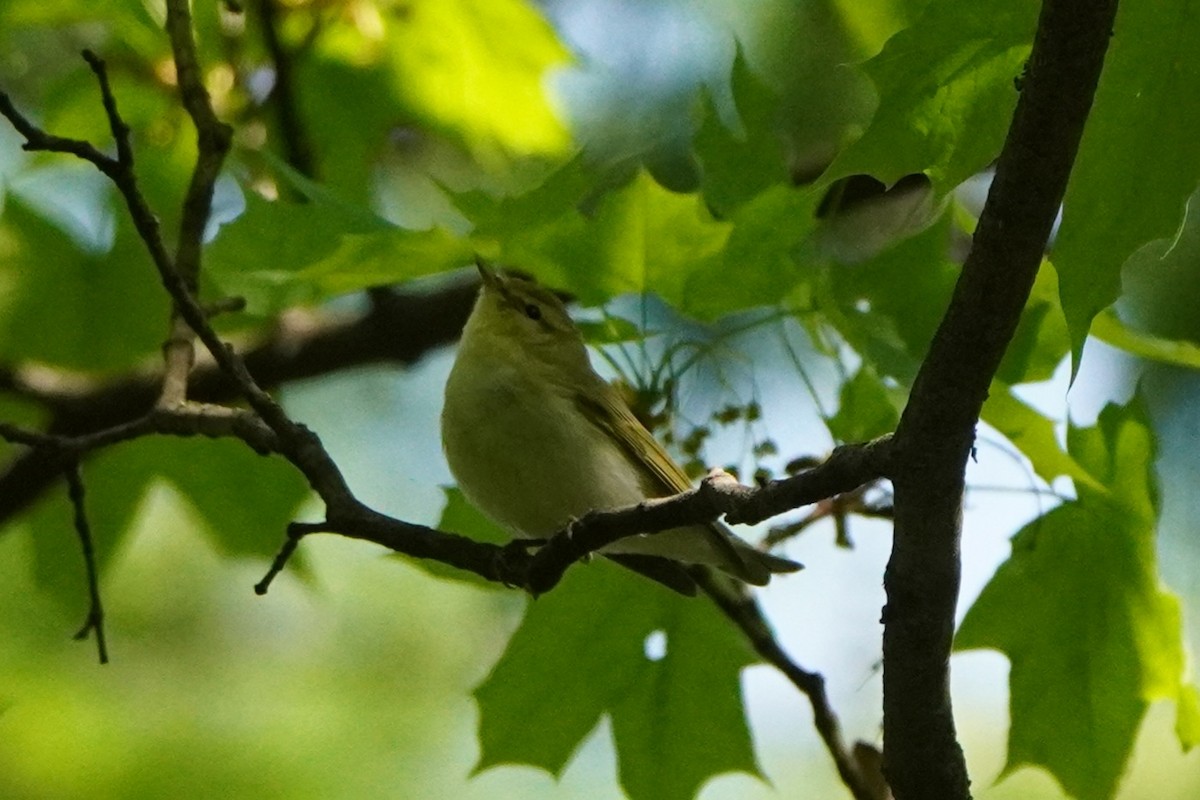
<point x="535" y="439"/>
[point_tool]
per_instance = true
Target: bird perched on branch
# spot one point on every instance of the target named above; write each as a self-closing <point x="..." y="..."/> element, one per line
<point x="535" y="439"/>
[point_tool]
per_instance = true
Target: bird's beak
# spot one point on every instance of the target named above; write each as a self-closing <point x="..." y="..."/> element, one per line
<point x="490" y="279"/>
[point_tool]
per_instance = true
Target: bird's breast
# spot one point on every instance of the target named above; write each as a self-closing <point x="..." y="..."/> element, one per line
<point x="525" y="455"/>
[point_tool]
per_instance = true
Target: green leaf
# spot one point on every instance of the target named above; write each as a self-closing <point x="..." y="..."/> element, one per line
<point x="1187" y="720"/>
<point x="1040" y="341"/>
<point x="740" y="162"/>
<point x="280" y="254"/>
<point x="1108" y="328"/>
<point x="460" y="517"/>
<point x="246" y="500"/>
<point x="946" y="93"/>
<point x="609" y="330"/>
<point x="637" y="238"/>
<point x="559" y="195"/>
<point x="645" y="238"/>
<point x="1080" y="612"/>
<point x="133" y="23"/>
<point x="682" y="720"/>
<point x="758" y="265"/>
<point x="477" y="69"/>
<point x="866" y="409"/>
<point x="890" y="306"/>
<point x="641" y="237"/>
<point x="355" y="110"/>
<point x="1119" y="453"/>
<point x="71" y="307"/>
<point x="429" y="91"/>
<point x="581" y="652"/>
<point x="1139" y="159"/>
<point x="1033" y="434"/>
<point x="1160" y="290"/>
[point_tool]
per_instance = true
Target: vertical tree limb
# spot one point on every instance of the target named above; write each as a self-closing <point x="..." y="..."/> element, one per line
<point x="922" y="757"/>
<point x="213" y="141"/>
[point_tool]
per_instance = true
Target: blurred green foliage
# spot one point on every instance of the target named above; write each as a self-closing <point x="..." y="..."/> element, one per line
<point x="1138" y="161"/>
<point x="1080" y="612"/>
<point x="690" y="152"/>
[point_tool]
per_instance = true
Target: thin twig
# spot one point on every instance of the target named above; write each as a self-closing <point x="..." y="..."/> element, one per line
<point x="119" y="170"/>
<point x="302" y="345"/>
<point x="38" y="140"/>
<point x="94" y="622"/>
<point x="213" y="139"/>
<point x="740" y="607"/>
<point x="296" y="531"/>
<point x="839" y="508"/>
<point x="296" y="147"/>
<point x="190" y="419"/>
<point x="120" y="130"/>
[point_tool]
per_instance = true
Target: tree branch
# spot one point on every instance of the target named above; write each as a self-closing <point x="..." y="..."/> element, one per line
<point x="94" y="622"/>
<point x="297" y="150"/>
<point x="847" y="468"/>
<point x="736" y="603"/>
<point x="189" y="419"/>
<point x="717" y="495"/>
<point x="304" y="345"/>
<point x="213" y="139"/>
<point x="937" y="430"/>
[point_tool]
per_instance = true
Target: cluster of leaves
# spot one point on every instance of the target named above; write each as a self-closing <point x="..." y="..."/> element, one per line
<point x="462" y="146"/>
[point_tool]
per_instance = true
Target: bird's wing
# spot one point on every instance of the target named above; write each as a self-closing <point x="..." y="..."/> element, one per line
<point x="661" y="476"/>
<point x="606" y="410"/>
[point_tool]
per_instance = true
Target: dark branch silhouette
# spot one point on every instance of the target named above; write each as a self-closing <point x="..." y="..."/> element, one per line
<point x="303" y="345"/>
<point x="296" y="146"/>
<point x="94" y="622"/>
<point x="741" y="608"/>
<point x="922" y="756"/>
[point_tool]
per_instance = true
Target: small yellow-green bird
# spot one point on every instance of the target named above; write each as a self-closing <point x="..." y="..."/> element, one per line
<point x="535" y="438"/>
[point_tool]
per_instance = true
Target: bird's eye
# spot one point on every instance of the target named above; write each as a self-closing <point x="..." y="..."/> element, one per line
<point x="533" y="311"/>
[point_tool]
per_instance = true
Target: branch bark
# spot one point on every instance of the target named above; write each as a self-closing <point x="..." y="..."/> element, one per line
<point x="922" y="757"/>
<point x="398" y="331"/>
<point x="846" y="469"/>
<point x="717" y="495"/>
